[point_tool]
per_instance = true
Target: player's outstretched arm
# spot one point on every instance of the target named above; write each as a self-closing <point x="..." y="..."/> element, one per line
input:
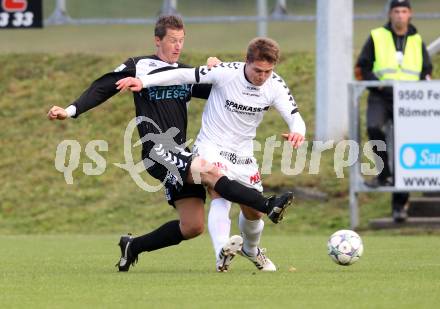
<point x="297" y="129"/>
<point x="101" y="89"/>
<point x="286" y="106"/>
<point x="167" y="78"/>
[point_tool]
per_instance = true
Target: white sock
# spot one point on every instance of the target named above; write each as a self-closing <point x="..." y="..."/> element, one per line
<point x="251" y="232"/>
<point x="219" y="224"/>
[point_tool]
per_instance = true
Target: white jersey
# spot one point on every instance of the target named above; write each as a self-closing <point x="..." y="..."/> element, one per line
<point x="235" y="107"/>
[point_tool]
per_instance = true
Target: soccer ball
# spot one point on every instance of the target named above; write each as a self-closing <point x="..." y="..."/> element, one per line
<point x="345" y="247"/>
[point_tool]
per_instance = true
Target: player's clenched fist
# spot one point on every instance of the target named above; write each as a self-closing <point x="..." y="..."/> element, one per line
<point x="212" y="62"/>
<point x="129" y="83"/>
<point x="57" y="112"/>
<point x="295" y="139"/>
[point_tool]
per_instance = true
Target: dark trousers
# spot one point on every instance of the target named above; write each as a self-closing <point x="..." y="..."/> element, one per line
<point x="379" y="112"/>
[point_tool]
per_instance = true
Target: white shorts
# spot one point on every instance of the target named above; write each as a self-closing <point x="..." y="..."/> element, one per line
<point x="243" y="169"/>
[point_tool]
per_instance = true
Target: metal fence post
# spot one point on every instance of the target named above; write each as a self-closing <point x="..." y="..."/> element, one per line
<point x="434" y="47"/>
<point x="280" y="9"/>
<point x="169" y="7"/>
<point x="353" y="112"/>
<point x="386" y="8"/>
<point x="59" y="15"/>
<point x="334" y="69"/>
<point x="262" y="17"/>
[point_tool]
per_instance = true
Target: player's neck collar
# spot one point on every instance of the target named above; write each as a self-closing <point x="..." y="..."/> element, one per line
<point x="245" y="77"/>
<point x="156" y="57"/>
<point x="247" y="80"/>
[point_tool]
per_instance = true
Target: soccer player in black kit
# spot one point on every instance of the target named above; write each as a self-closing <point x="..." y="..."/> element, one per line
<point x="182" y="174"/>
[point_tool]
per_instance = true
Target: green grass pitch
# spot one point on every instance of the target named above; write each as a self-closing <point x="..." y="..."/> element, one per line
<point x="77" y="272"/>
<point x="51" y="66"/>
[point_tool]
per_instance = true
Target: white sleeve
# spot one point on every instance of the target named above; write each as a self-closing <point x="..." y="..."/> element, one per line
<point x="218" y="75"/>
<point x="71" y="111"/>
<point x="297" y="124"/>
<point x="286" y="106"/>
<point x="201" y="75"/>
<point x="214" y="75"/>
<point x="168" y="78"/>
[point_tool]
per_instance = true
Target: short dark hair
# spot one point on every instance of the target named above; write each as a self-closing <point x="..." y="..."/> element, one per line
<point x="166" y="22"/>
<point x="263" y="49"/>
<point x="400" y="3"/>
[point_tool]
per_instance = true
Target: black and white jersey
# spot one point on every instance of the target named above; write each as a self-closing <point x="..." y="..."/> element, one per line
<point x="166" y="106"/>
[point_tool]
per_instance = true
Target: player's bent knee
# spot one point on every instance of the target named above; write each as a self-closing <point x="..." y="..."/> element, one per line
<point x="192" y="230"/>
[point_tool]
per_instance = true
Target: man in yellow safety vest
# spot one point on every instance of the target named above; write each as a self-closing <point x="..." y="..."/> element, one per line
<point x="392" y="52"/>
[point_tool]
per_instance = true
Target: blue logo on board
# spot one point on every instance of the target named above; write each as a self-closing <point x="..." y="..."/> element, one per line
<point x="420" y="156"/>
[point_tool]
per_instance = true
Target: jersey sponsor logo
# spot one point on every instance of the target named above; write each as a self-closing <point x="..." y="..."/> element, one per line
<point x="251" y="91"/>
<point x="234" y="158"/>
<point x="152" y="64"/>
<point x="243" y="109"/>
<point x="250" y="94"/>
<point x="254" y="179"/>
<point x="181" y="92"/>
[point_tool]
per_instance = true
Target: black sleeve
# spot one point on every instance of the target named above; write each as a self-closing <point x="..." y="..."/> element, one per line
<point x="427" y="64"/>
<point x="366" y="60"/>
<point x="201" y="91"/>
<point x="103" y="88"/>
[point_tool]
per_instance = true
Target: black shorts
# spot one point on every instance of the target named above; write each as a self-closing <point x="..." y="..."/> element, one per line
<point x="187" y="190"/>
<point x="173" y="171"/>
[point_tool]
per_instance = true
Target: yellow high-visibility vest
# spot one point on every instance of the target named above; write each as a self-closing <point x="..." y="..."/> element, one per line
<point x="386" y="65"/>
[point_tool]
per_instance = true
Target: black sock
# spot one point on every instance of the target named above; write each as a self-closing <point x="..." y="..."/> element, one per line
<point x="237" y="193"/>
<point x="168" y="234"/>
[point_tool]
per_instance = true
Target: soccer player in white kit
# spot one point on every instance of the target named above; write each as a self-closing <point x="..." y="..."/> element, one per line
<point x="241" y="94"/>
